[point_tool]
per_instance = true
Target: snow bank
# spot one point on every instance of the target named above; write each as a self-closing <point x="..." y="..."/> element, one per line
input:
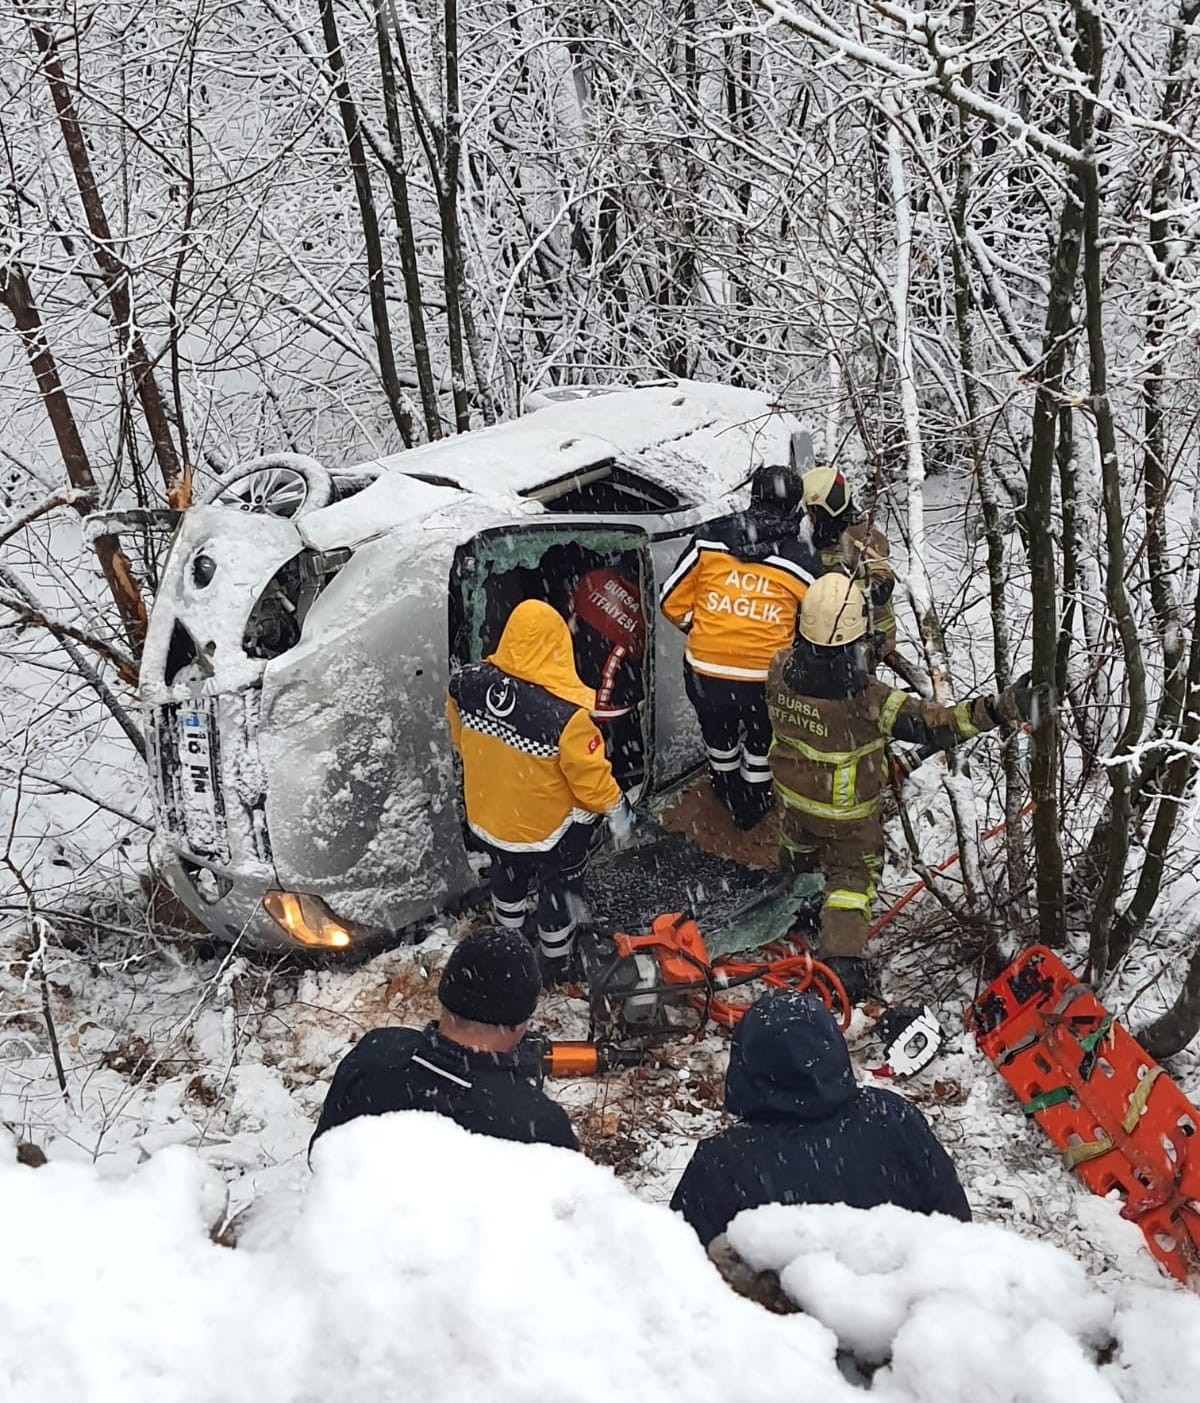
<point x="421" y="1262"/>
<point x="969" y="1311"/>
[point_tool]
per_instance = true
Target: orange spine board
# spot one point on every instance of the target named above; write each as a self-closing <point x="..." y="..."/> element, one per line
<point x="1120" y="1121"/>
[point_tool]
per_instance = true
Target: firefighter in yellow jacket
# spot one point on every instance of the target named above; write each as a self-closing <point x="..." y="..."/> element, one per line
<point x="535" y="776"/>
<point x="832" y="721"/>
<point x="735" y="590"/>
<point x="848" y="542"/>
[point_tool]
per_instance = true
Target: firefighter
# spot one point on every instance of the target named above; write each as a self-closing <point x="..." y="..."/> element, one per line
<point x="735" y="590"/>
<point x="535" y="776"/>
<point x="832" y="721"/>
<point x="609" y="628"/>
<point x="847" y="541"/>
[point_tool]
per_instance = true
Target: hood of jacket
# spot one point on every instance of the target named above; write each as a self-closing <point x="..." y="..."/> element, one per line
<point x="788" y="1061"/>
<point x="536" y="647"/>
<point x="766" y="530"/>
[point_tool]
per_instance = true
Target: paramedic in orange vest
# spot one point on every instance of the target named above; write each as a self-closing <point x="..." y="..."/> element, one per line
<point x="736" y="591"/>
<point x="535" y="776"/>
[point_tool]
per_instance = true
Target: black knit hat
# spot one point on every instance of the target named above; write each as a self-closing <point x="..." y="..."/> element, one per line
<point x="491" y="977"/>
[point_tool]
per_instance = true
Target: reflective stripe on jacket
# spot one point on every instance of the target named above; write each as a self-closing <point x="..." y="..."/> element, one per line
<point x="533" y="760"/>
<point x="736" y="590"/>
<point x="827" y="757"/>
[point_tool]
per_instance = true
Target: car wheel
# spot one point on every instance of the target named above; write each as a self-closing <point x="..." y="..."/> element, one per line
<point x="277" y="484"/>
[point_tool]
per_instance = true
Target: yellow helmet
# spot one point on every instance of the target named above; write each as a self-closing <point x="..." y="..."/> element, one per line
<point x="827" y="489"/>
<point x="833" y="612"/>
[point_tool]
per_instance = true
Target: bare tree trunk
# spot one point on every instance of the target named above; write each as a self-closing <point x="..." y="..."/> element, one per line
<point x="452" y="260"/>
<point x="919" y="587"/>
<point x="113" y="270"/>
<point x="1156" y="483"/>
<point x="1090" y="56"/>
<point x="443" y="152"/>
<point x="405" y="237"/>
<point x="1073" y="588"/>
<point x="988" y="495"/>
<point x="176" y="323"/>
<point x="1047" y="844"/>
<point x="961" y="795"/>
<point x="1180" y="766"/>
<point x="118" y="572"/>
<point x="1179" y="1025"/>
<point x="373" y="243"/>
<point x="677" y="287"/>
<point x="1167" y="771"/>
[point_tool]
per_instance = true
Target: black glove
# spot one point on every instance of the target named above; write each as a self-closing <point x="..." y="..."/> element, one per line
<point x="531" y="1058"/>
<point x="881" y="590"/>
<point x="1014" y="704"/>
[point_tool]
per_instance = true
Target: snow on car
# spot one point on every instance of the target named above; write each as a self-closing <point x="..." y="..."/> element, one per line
<point x="308" y="621"/>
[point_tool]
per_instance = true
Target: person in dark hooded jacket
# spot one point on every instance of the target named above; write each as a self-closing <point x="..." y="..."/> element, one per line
<point x="807" y="1133"/>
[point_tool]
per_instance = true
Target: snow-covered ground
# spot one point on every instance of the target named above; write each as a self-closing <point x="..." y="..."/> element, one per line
<point x="232" y="1058"/>
<point x="419" y="1261"/>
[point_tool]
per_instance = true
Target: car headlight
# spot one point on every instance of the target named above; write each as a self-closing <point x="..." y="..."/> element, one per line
<point x="307" y="920"/>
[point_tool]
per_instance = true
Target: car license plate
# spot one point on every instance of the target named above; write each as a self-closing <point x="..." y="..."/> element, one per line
<point x="200" y="783"/>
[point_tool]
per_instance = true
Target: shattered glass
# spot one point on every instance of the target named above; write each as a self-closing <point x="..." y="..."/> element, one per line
<point x="737" y="908"/>
<point x="508" y="548"/>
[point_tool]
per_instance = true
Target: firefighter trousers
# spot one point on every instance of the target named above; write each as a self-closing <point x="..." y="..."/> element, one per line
<point x="849" y="855"/>
<point x="559" y="875"/>
<point x="737" y="738"/>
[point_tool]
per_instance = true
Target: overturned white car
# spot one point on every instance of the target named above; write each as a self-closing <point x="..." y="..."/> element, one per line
<point x="300" y="646"/>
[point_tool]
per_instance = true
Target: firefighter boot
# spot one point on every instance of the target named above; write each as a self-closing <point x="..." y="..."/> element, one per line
<point x="750" y="804"/>
<point x="559" y="965"/>
<point x="859" y="978"/>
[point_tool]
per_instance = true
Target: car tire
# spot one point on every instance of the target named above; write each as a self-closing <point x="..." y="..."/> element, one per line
<point x="288" y="485"/>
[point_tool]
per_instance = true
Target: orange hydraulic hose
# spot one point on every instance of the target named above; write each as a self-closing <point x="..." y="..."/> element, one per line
<point x="893" y="911"/>
<point x="784" y="969"/>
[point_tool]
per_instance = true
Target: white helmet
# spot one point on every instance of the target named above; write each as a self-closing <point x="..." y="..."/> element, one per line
<point x="833" y="612"/>
<point x="827" y="490"/>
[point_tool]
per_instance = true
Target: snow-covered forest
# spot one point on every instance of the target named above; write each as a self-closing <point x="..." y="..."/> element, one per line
<point x="960" y="244"/>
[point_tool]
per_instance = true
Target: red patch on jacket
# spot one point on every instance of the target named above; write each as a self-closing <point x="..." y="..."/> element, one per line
<point x="593" y="745"/>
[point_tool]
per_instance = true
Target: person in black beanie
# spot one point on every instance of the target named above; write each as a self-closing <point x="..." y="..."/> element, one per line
<point x="464" y="1065"/>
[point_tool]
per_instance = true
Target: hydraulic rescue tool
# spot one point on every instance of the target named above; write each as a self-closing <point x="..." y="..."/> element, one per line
<point x="542" y="1057"/>
<point x="636" y="983"/>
